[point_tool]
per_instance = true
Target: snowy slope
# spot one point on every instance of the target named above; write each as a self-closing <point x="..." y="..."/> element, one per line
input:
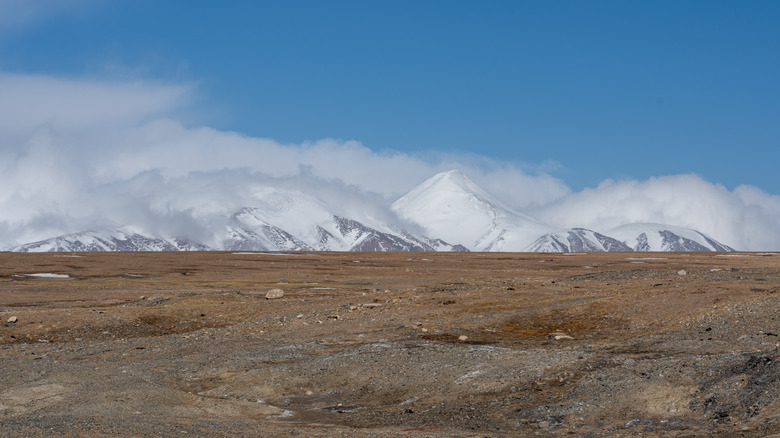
<point x="287" y="220"/>
<point x="660" y="237"/>
<point x="249" y="232"/>
<point x="451" y="207"/>
<point x="577" y="240"/>
<point x="112" y="240"/>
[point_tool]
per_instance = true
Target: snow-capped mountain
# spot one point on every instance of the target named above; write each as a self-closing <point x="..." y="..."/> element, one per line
<point x="112" y="240"/>
<point x="453" y="213"/>
<point x="288" y="220"/>
<point x="248" y="232"/>
<point x="577" y="240"/>
<point x="250" y="229"/>
<point x="452" y="207"/>
<point x="659" y="237"/>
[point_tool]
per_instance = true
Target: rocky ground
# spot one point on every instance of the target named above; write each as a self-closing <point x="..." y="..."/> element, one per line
<point x="389" y="344"/>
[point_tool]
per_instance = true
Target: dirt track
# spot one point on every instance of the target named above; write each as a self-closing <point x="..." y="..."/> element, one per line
<point x="390" y="344"/>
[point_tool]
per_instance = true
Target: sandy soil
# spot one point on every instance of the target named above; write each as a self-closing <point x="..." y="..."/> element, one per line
<point x="389" y="344"/>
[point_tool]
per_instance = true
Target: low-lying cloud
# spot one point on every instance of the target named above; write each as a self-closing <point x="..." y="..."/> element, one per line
<point x="745" y="218"/>
<point x="78" y="154"/>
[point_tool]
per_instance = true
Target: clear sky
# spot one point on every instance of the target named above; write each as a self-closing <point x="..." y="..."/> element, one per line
<point x="584" y="90"/>
<point x="581" y="113"/>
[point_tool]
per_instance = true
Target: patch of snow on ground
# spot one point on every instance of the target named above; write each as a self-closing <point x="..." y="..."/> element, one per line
<point x="645" y="258"/>
<point x="48" y="275"/>
<point x="268" y="253"/>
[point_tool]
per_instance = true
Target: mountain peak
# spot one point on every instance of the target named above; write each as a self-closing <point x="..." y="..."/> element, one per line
<point x="451" y="181"/>
<point x="662" y="237"/>
<point x="461" y="212"/>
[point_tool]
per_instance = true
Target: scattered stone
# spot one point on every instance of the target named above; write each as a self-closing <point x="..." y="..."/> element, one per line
<point x="370" y="305"/>
<point x="544" y="424"/>
<point x="309" y="393"/>
<point x="274" y="293"/>
<point x="462" y="337"/>
<point x="12" y="320"/>
<point x="558" y="336"/>
<point x="682" y="272"/>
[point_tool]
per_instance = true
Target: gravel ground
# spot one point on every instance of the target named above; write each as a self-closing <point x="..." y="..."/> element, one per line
<point x="389" y="344"/>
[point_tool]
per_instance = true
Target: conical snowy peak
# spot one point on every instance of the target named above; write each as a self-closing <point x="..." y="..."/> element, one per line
<point x="452" y="207"/>
<point x="452" y="182"/>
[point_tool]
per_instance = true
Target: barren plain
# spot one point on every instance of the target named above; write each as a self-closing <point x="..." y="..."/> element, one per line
<point x="389" y="344"/>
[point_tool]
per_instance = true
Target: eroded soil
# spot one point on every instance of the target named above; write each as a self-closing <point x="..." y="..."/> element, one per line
<point x="389" y="344"/>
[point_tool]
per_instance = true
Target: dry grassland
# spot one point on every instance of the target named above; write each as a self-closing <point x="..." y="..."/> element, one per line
<point x="389" y="344"/>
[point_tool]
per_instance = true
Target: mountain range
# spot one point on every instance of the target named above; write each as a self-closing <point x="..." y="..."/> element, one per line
<point x="447" y="212"/>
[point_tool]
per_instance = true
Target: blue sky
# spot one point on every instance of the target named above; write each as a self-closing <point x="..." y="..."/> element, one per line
<point x="585" y="90"/>
<point x="582" y="113"/>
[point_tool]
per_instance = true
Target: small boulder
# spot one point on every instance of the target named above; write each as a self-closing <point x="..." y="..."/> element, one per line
<point x="274" y="294"/>
<point x="12" y="320"/>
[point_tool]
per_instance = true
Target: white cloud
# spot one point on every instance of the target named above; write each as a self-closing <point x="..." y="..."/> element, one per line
<point x="745" y="218"/>
<point x="18" y="14"/>
<point x="176" y="151"/>
<point x="81" y="153"/>
<point x="33" y="103"/>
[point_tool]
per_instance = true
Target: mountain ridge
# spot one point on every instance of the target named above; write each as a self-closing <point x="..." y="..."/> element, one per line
<point x="453" y="212"/>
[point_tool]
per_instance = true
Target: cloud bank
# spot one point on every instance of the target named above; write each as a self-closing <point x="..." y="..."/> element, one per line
<point x="745" y="218"/>
<point x="18" y="14"/>
<point x="78" y="154"/>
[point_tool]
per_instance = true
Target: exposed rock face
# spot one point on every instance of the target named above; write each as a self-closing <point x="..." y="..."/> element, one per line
<point x="114" y="240"/>
<point x="578" y="240"/>
<point x="660" y="237"/>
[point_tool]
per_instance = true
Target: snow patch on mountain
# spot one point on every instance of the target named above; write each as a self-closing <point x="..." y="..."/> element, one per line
<point x="294" y="221"/>
<point x="577" y="240"/>
<point x="111" y="240"/>
<point x="661" y="237"/>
